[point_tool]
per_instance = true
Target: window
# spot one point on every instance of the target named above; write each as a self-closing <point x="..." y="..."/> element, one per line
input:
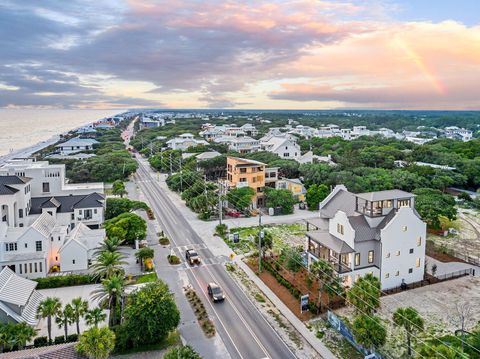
<point x="397" y="253"/>
<point x="89" y="262"/>
<point x="410" y="270"/>
<point x="56" y="258"/>
<point x="59" y="238"/>
<point x="20" y="268"/>
<point x="387" y="275"/>
<point x="243" y="170"/>
<point x="30" y="267"/>
<point x="36" y="268"/>
<point x="411" y="250"/>
<point x="73" y="261"/>
<point x="404" y="228"/>
<point x="370" y="256"/>
<point x="20" y="213"/>
<point x="26" y="245"/>
<point x="242" y="179"/>
<point x="51" y="239"/>
<point x="254" y="179"/>
<point x="25" y="268"/>
<point x="340" y="228"/>
<point x="80" y="211"/>
<point x="419" y="241"/>
<point x="357" y="259"/>
<point x="286" y="154"/>
<point x="45" y="187"/>
<point x="403" y="203"/>
<point x="95" y="211"/>
<point x="387" y="255"/>
<point x="417" y="262"/>
<point x="38" y="246"/>
<point x="40" y="267"/>
<point x="72" y="217"/>
<point x="397" y="273"/>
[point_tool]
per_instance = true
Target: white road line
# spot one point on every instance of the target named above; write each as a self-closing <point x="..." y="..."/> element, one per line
<point x="216" y="314"/>
<point x="242" y="319"/>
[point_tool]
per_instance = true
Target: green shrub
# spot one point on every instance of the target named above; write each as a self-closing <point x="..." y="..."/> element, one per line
<point x="173" y="259"/>
<point x="320" y="334"/>
<point x="72" y="338"/>
<point x="59" y="340"/>
<point x="40" y="342"/>
<point x="64" y="281"/>
<point x="221" y="230"/>
<point x="164" y="241"/>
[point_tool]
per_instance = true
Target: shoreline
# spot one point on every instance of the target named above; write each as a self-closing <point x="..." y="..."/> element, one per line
<point x="26" y="152"/>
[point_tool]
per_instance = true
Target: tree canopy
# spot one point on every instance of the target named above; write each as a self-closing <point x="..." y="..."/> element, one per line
<point x="241" y="198"/>
<point x="282" y="198"/>
<point x="431" y="204"/>
<point x="132" y="225"/>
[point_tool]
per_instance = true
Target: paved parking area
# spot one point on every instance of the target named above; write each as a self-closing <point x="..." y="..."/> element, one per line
<point x="66" y="294"/>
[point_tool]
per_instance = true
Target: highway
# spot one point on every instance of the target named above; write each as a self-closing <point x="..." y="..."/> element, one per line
<point x="242" y="328"/>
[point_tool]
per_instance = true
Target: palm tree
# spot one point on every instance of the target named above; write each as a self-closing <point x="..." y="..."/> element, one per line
<point x="8" y="338"/>
<point x="80" y="307"/>
<point x="108" y="264"/>
<point x="110" y="295"/>
<point x="65" y="318"/>
<point x="144" y="253"/>
<point x="48" y="308"/>
<point x="95" y="316"/>
<point x="411" y="321"/>
<point x="110" y="244"/>
<point x="324" y="272"/>
<point x="24" y="334"/>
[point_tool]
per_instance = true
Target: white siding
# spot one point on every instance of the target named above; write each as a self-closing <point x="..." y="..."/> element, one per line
<point x="73" y="257"/>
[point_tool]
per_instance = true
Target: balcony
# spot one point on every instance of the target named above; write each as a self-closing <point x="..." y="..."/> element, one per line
<point x="337" y="258"/>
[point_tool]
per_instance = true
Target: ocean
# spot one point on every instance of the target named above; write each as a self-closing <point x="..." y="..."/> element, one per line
<point x="20" y="128"/>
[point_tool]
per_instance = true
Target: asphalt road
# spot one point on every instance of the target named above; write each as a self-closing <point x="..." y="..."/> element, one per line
<point x="244" y="331"/>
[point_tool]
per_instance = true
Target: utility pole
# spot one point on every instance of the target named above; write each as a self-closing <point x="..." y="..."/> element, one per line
<point x="151" y="148"/>
<point x="260" y="238"/>
<point x="181" y="176"/>
<point x="170" y="158"/>
<point x="220" y="205"/>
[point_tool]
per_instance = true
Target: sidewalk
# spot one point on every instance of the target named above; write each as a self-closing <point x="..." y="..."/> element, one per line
<point x="287" y="313"/>
<point x="449" y="267"/>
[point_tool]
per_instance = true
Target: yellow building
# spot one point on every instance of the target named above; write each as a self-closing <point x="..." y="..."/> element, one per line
<point x="242" y="172"/>
<point x="293" y="185"/>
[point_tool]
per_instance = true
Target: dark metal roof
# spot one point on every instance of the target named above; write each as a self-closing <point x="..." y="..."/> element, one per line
<point x="13" y="180"/>
<point x="330" y="241"/>
<point x="5" y="190"/>
<point x="384" y="195"/>
<point x="65" y="204"/>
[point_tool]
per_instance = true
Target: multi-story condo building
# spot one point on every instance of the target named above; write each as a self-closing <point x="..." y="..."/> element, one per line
<point x="377" y="232"/>
<point x="242" y="172"/>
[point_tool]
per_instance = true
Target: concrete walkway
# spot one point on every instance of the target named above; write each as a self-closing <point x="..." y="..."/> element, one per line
<point x="287" y="313"/>
<point x="450" y="267"/>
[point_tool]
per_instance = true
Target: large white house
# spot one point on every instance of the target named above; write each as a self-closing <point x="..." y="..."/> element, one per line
<point x="377" y="232"/>
<point x="184" y="141"/>
<point x="243" y="144"/>
<point x="39" y="213"/>
<point x="75" y="145"/>
<point x="284" y="146"/>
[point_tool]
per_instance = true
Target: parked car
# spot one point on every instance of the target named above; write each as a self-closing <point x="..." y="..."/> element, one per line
<point x="215" y="292"/>
<point x="192" y="256"/>
<point x="232" y="213"/>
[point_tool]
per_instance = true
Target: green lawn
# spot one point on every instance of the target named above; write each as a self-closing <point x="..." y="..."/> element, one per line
<point x="151" y="277"/>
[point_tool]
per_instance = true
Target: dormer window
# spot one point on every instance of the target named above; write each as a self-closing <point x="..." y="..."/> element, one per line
<point x="340" y="228"/>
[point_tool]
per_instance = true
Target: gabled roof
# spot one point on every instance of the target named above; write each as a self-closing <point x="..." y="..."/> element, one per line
<point x="44" y="224"/>
<point x="9" y="180"/>
<point x="77" y="141"/>
<point x="15" y="289"/>
<point x="330" y="241"/>
<point x="340" y="199"/>
<point x="66" y="204"/>
<point x="6" y="190"/>
<point x="253" y="162"/>
<point x="87" y="238"/>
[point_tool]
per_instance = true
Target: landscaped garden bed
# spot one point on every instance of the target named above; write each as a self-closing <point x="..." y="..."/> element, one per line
<point x="200" y="312"/>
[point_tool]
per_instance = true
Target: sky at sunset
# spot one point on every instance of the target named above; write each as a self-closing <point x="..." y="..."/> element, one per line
<point x="298" y="54"/>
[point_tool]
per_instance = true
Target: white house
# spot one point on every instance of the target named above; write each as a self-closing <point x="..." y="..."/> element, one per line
<point x="75" y="145"/>
<point x="284" y="146"/>
<point x="455" y="132"/>
<point x="77" y="253"/>
<point x="19" y="300"/>
<point x="377" y="232"/>
<point x="47" y="179"/>
<point x="242" y="144"/>
<point x="185" y="141"/>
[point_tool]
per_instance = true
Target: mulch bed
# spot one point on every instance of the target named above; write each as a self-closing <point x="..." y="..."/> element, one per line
<point x="441" y="256"/>
<point x="298" y="280"/>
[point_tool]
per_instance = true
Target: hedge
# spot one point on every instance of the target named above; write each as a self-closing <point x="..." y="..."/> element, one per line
<point x="59" y="340"/>
<point x="64" y="281"/>
<point x="40" y="342"/>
